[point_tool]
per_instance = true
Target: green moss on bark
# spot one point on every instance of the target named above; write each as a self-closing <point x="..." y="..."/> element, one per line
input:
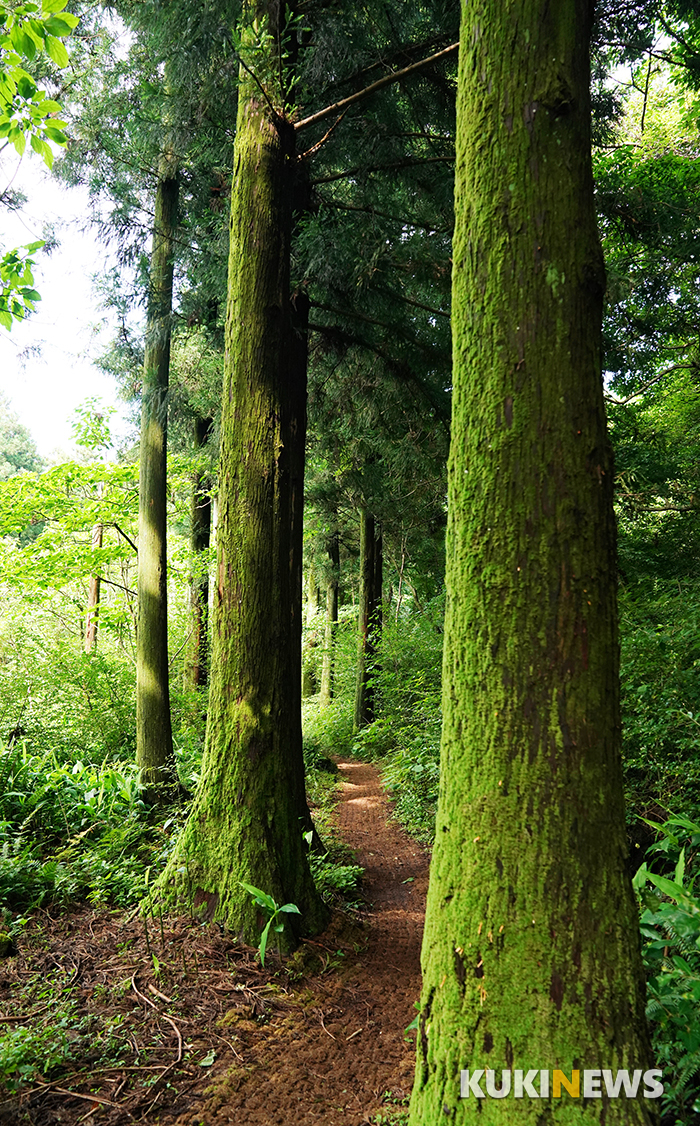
<point x="250" y="809"/>
<point x="154" y="741"/>
<point x="531" y="949"/>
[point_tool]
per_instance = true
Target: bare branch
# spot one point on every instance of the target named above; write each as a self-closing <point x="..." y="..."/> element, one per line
<point x="127" y="538"/>
<point x="409" y="162"/>
<point x="341" y="106"/>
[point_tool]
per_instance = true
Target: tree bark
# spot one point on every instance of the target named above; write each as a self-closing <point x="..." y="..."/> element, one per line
<point x="245" y="824"/>
<point x="369" y="621"/>
<point x="154" y="743"/>
<point x="197" y="657"/>
<point x="309" y="657"/>
<point x="531" y="948"/>
<point x="91" y="617"/>
<point x="328" y="667"/>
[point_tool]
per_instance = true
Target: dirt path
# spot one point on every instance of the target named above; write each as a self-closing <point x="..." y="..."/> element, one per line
<point x="334" y="1061"/>
<point x="207" y="1037"/>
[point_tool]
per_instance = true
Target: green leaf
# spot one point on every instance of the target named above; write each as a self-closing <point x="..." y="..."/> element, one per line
<point x="23" y="43"/>
<point x="668" y="887"/>
<point x="56" y="135"/>
<point x="61" y="25"/>
<point x="26" y="87"/>
<point x="48" y="6"/>
<point x="263" y="942"/>
<point x="290" y="909"/>
<point x="260" y="897"/>
<point x="207" y="1061"/>
<point x="20" y="142"/>
<point x="57" y="51"/>
<point x="680" y="868"/>
<point x="5" y="319"/>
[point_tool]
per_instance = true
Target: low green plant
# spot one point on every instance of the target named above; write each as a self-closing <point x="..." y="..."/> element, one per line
<point x="275" y="911"/>
<point x="670" y="927"/>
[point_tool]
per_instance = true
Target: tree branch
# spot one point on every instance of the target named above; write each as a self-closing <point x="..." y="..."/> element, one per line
<point x="646" y="386"/>
<point x="385" y="215"/>
<point x="409" y="162"/>
<point x="341" y="106"/>
<point x="128" y="540"/>
<point x="120" y="586"/>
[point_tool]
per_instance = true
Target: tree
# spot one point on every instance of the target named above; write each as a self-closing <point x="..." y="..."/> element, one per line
<point x="369" y="622"/>
<point x="197" y="658"/>
<point x="331" y="626"/>
<point x="154" y="740"/>
<point x="251" y="797"/>
<point x="530" y="955"/>
<point x="17" y="447"/>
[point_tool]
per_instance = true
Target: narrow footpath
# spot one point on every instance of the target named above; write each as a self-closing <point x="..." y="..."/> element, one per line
<point x="343" y="1059"/>
<point x="201" y="1034"/>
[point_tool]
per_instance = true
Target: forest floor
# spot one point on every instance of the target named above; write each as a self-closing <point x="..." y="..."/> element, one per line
<point x="212" y="1038"/>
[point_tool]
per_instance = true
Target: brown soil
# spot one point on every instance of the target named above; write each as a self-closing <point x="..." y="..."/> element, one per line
<point x="215" y="1039"/>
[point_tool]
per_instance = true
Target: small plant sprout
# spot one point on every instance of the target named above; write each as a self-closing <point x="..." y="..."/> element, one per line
<point x="262" y="899"/>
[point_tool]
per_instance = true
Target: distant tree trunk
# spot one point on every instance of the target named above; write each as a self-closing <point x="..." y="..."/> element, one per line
<point x="247" y="820"/>
<point x="197" y="657"/>
<point x="531" y="954"/>
<point x="309" y="661"/>
<point x="154" y="742"/>
<point x="91" y="619"/>
<point x="298" y="358"/>
<point x="328" y="668"/>
<point x="369" y="622"/>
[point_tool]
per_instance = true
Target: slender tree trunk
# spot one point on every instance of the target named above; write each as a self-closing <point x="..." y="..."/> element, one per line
<point x="531" y="948"/>
<point x="308" y="663"/>
<point x="91" y="619"/>
<point x="197" y="658"/>
<point x="369" y="622"/>
<point x="245" y="824"/>
<point x="154" y="743"/>
<point x="327" y="670"/>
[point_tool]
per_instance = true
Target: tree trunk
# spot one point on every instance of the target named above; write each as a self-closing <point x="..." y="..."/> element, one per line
<point x="308" y="660"/>
<point x="531" y="947"/>
<point x="91" y="618"/>
<point x="245" y="824"/>
<point x="154" y="743"/>
<point x="327" y="670"/>
<point x="369" y="622"/>
<point x="197" y="657"/>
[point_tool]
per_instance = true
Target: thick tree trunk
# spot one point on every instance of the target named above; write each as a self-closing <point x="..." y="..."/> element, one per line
<point x="93" y="605"/>
<point x="369" y="621"/>
<point x="197" y="656"/>
<point x="245" y="824"/>
<point x="154" y="743"/>
<point x="531" y="949"/>
<point x="328" y="667"/>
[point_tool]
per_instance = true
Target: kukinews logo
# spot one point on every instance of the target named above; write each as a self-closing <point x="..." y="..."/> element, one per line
<point x="481" y="1084"/>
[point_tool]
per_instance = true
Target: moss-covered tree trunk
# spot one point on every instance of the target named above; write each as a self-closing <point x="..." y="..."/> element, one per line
<point x="531" y="948"/>
<point x="197" y="655"/>
<point x="369" y="620"/>
<point x="154" y="743"/>
<point x="247" y="820"/>
<point x="328" y="666"/>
